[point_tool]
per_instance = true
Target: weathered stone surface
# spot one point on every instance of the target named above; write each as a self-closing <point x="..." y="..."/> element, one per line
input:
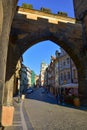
<point x="7" y="9"/>
<point x="80" y="7"/>
<point x="10" y="71"/>
<point x="32" y="27"/>
<point x="7" y="115"/>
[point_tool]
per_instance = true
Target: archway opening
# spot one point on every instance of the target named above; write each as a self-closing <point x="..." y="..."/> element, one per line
<point x="62" y="77"/>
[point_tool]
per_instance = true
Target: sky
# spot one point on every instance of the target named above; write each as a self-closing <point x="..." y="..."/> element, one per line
<point x="42" y="51"/>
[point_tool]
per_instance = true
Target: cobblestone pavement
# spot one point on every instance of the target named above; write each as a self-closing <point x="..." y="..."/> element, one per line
<point x="20" y="120"/>
<point x="17" y="123"/>
<point x="45" y="114"/>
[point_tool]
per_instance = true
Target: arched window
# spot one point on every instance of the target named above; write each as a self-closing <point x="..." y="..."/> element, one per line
<point x="68" y="61"/>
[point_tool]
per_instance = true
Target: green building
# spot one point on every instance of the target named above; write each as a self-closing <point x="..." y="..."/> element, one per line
<point x="32" y="78"/>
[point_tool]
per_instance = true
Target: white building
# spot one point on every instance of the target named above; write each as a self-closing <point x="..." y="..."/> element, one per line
<point x="25" y="78"/>
<point x="42" y="73"/>
<point x="28" y="76"/>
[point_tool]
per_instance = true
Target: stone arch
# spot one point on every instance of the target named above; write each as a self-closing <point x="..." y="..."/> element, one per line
<point x="67" y="35"/>
<point x="61" y="39"/>
<point x="68" y="46"/>
<point x="18" y="46"/>
<point x="79" y="59"/>
<point x="62" y="44"/>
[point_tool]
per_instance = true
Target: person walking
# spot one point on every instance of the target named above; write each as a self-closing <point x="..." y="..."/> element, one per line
<point x="58" y="98"/>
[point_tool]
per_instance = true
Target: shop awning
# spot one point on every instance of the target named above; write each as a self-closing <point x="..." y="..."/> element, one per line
<point x="71" y="85"/>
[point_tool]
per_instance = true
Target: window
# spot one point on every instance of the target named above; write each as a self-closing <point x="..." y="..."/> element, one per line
<point x="68" y="61"/>
<point x="74" y="74"/>
<point x="64" y="63"/>
<point x="61" y="76"/>
<point x="68" y="75"/>
<point x="61" y="64"/>
<point x="64" y="76"/>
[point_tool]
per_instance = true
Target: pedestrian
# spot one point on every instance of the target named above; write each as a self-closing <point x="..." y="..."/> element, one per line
<point x="58" y="98"/>
<point x="62" y="98"/>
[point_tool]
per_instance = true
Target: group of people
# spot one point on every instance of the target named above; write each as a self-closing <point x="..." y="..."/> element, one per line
<point x="60" y="98"/>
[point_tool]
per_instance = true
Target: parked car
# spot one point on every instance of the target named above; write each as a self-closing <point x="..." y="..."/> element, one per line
<point x="29" y="91"/>
<point x="43" y="90"/>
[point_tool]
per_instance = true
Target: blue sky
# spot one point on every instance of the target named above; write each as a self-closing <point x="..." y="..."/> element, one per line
<point x="54" y="5"/>
<point x="42" y="51"/>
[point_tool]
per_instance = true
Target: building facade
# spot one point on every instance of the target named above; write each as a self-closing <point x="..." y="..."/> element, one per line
<point x="32" y="78"/>
<point x="29" y="72"/>
<point x="61" y="74"/>
<point x="25" y="80"/>
<point x="42" y="73"/>
<point x="17" y="77"/>
<point x="36" y="80"/>
<point x="68" y="78"/>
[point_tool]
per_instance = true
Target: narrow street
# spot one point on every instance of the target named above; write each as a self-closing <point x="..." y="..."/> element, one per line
<point x="44" y="114"/>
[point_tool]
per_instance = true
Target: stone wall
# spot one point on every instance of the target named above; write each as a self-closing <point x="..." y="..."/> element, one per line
<point x="80" y="7"/>
<point x="7" y="8"/>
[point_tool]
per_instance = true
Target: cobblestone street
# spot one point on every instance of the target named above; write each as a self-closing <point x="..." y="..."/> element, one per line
<point x="45" y="114"/>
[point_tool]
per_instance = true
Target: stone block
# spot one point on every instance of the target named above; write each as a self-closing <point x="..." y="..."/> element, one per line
<point x="7" y="115"/>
